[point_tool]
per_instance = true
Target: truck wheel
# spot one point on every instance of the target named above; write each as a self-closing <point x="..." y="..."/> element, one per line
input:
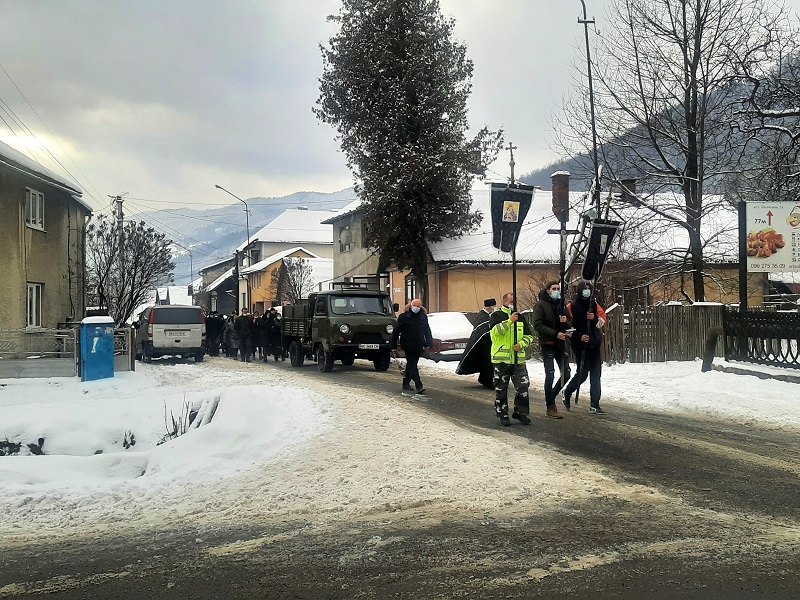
<point x="348" y="359"/>
<point x="383" y="362"/>
<point x="324" y="360"/>
<point x="296" y="354"/>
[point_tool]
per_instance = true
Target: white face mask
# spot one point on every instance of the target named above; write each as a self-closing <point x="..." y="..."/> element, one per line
<point x="555" y="294"/>
<point x="415" y="309"/>
<point x="586" y="293"/>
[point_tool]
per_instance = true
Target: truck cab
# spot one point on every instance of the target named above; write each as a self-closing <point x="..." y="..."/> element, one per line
<point x="340" y="324"/>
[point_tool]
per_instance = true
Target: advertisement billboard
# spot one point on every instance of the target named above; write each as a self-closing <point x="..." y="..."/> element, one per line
<point x="773" y="237"/>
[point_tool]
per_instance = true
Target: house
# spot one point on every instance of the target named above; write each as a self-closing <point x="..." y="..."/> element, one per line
<point x="261" y="278"/>
<point x="463" y="271"/>
<point x="293" y="227"/>
<point x="43" y="232"/>
<point x="217" y="287"/>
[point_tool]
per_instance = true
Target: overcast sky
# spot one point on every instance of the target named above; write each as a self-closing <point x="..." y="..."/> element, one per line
<point x="165" y="99"/>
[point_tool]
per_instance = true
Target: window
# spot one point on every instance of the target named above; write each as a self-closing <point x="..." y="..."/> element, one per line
<point x="411" y="288"/>
<point x="345" y="239"/>
<point x="321" y="308"/>
<point x="34" y="305"/>
<point x="34" y="209"/>
<point x="213" y="301"/>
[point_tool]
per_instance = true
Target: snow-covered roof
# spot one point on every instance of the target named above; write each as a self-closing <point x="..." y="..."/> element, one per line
<point x="344" y="211"/>
<point x="535" y="245"/>
<point x="216" y="264"/>
<point x="262" y="264"/>
<point x="219" y="280"/>
<point x="297" y="227"/>
<point x="17" y="160"/>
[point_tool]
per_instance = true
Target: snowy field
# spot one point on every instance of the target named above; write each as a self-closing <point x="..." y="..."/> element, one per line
<point x="284" y="445"/>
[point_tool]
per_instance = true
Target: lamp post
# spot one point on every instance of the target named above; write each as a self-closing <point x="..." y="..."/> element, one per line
<point x="586" y="22"/>
<point x="247" y="248"/>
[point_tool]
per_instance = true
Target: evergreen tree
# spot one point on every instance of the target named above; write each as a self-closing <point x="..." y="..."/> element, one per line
<point x="395" y="85"/>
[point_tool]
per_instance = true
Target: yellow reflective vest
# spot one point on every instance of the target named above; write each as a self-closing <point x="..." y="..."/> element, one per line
<point x="502" y="335"/>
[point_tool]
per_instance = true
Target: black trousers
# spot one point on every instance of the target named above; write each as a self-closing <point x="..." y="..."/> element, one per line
<point x="503" y="374"/>
<point x="593" y="369"/>
<point x="552" y="356"/>
<point x="412" y="368"/>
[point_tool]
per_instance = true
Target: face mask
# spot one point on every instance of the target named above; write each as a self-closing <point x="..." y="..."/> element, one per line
<point x="586" y="293"/>
<point x="415" y="309"/>
<point x="555" y="294"/>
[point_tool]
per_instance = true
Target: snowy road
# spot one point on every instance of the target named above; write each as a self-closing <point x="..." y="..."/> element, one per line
<point x="399" y="498"/>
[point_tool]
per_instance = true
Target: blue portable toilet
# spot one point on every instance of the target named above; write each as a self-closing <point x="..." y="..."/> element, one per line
<point x="97" y="348"/>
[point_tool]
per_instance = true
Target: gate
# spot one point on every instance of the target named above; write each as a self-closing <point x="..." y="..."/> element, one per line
<point x="38" y="353"/>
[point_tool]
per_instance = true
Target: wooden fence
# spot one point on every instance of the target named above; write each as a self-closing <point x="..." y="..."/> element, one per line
<point x="660" y="333"/>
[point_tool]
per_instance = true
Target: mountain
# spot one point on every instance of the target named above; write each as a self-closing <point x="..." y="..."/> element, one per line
<point x="213" y="234"/>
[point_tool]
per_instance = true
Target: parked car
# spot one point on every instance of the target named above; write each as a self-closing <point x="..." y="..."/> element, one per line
<point x="171" y="330"/>
<point x="450" y="331"/>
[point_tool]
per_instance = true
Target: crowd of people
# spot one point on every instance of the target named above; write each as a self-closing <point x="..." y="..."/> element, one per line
<point x="245" y="336"/>
<point x="501" y="339"/>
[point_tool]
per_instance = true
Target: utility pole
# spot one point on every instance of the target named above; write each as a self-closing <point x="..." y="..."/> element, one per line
<point x="120" y="217"/>
<point x="586" y="22"/>
<point x="236" y="277"/>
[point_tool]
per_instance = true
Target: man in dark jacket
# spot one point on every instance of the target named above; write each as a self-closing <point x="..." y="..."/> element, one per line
<point x="477" y="356"/>
<point x="551" y="324"/>
<point x="214" y="326"/>
<point x="413" y="334"/>
<point x="244" y="329"/>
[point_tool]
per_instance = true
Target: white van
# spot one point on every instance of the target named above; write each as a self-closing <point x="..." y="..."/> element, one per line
<point x="171" y="330"/>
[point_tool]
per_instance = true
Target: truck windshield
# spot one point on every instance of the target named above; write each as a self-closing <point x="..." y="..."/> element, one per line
<point x="348" y="305"/>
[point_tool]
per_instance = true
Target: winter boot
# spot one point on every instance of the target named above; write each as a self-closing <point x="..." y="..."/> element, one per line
<point x="552" y="412"/>
<point x="524" y="419"/>
<point x="504" y="420"/>
<point x="567" y="403"/>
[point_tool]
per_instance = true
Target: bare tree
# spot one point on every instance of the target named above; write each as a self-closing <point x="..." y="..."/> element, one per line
<point x="124" y="266"/>
<point x="668" y="77"/>
<point x="293" y="279"/>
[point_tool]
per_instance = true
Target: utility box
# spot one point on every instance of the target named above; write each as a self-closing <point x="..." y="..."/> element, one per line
<point x="97" y="348"/>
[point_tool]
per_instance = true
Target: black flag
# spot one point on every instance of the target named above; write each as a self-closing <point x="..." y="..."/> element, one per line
<point x="510" y="206"/>
<point x="600" y="239"/>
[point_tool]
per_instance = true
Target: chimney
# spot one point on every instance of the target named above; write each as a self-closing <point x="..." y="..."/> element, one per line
<point x="560" y="184"/>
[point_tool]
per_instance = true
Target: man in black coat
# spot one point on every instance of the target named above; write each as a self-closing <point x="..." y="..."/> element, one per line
<point x="214" y="326"/>
<point x="477" y="356"/>
<point x="413" y="334"/>
<point x="244" y="329"/>
<point x="551" y="325"/>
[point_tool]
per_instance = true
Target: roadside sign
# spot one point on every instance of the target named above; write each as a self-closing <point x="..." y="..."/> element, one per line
<point x="773" y="237"/>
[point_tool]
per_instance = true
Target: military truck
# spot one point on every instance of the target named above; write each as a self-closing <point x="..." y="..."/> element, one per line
<point x="339" y="324"/>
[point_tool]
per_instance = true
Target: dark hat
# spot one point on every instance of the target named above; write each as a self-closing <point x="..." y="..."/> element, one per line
<point x="490" y="302"/>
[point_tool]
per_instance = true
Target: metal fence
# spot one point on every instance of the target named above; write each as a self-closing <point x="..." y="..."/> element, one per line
<point x="769" y="338"/>
<point x="54" y="352"/>
<point x="38" y="353"/>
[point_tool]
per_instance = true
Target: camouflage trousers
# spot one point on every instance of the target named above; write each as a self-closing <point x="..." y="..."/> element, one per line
<point x="503" y="375"/>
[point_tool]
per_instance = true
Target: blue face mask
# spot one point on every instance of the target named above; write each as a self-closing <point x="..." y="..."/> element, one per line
<point x="415" y="309"/>
<point x="555" y="294"/>
<point x="586" y="293"/>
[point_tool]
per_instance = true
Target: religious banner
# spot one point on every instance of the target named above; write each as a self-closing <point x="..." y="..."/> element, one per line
<point x="600" y="239"/>
<point x="510" y="206"/>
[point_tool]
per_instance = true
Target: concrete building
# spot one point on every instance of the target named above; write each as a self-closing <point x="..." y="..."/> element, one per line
<point x="43" y="233"/>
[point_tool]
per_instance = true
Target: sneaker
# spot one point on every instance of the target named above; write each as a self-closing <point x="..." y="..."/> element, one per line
<point x="504" y="420"/>
<point x="524" y="419"/>
<point x="421" y="391"/>
<point x="567" y="404"/>
<point x="596" y="410"/>
<point x="552" y="412"/>
<point x="407" y="388"/>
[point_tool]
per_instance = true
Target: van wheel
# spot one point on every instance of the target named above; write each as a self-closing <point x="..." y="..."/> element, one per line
<point x="383" y="362"/>
<point x="198" y="357"/>
<point x="296" y="354"/>
<point x="348" y="359"/>
<point x="324" y="360"/>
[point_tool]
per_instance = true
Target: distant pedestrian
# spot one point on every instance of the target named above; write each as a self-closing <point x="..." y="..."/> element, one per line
<point x="231" y="337"/>
<point x="244" y="329"/>
<point x="510" y="337"/>
<point x="214" y="327"/>
<point x="551" y="325"/>
<point x="413" y="334"/>
<point x="477" y="357"/>
<point x="588" y="319"/>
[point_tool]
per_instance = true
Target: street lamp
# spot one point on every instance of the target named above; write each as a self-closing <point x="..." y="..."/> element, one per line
<point x="247" y="248"/>
<point x="247" y="219"/>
